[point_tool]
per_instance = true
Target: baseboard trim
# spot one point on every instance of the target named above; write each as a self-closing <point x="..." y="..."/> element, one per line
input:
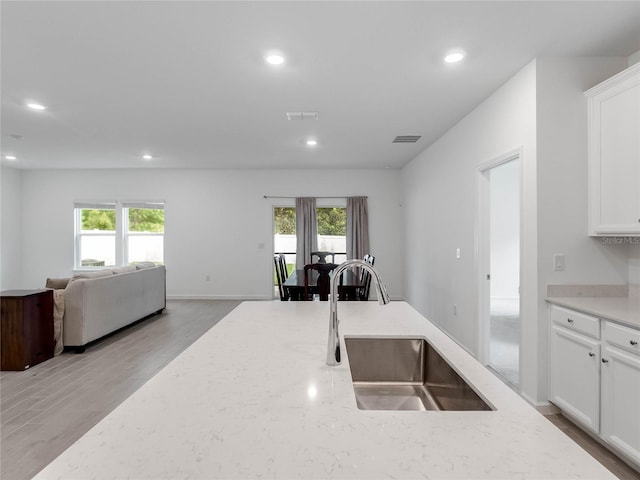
<point x="244" y="297"/>
<point x="547" y="408"/>
<point x="220" y="297"/>
<point x="544" y="407"/>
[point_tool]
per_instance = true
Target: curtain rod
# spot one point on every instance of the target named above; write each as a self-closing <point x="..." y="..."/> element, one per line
<point x="345" y="196"/>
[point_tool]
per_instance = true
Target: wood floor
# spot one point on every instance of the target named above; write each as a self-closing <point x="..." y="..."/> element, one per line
<point x="48" y="407"/>
<point x="614" y="464"/>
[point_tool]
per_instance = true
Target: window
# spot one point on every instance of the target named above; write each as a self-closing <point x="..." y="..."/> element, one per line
<point x="284" y="235"/>
<point x="143" y="232"/>
<point x="332" y="231"/>
<point x="113" y="233"/>
<point x="95" y="235"/>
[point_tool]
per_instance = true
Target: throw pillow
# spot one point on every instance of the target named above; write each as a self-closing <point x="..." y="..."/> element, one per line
<point x="57" y="283"/>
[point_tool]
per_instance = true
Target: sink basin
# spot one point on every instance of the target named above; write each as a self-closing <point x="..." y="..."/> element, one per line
<point x="406" y="374"/>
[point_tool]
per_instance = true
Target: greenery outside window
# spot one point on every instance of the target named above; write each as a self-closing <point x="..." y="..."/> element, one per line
<point x="95" y="235"/>
<point x="332" y="231"/>
<point x="143" y="232"/>
<point x="111" y="233"/>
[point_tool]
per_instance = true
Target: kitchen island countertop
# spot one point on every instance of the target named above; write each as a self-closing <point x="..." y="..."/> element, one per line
<point x="253" y="398"/>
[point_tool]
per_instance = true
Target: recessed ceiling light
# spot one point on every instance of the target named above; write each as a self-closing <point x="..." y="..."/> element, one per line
<point x="312" y="143"/>
<point x="275" y="59"/>
<point x="36" y="106"/>
<point x="146" y="156"/>
<point x="10" y="157"/>
<point x="454" y="57"/>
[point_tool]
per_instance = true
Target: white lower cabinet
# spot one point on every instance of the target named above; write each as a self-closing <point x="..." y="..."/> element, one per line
<point x="595" y="379"/>
<point x="575" y="376"/>
<point x="620" y="417"/>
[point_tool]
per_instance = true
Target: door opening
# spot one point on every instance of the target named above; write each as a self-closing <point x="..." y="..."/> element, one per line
<point x="284" y="241"/>
<point x="500" y="248"/>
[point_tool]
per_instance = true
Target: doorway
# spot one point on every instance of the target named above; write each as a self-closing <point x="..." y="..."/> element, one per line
<point x="500" y="279"/>
<point x="284" y="241"/>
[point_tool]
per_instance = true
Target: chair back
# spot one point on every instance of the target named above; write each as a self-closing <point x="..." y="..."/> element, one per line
<point x="281" y="275"/>
<point x="283" y="267"/>
<point x="323" y="283"/>
<point x="365" y="277"/>
<point x="322" y="257"/>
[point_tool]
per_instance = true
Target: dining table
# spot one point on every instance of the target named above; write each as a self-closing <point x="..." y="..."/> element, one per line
<point x="348" y="287"/>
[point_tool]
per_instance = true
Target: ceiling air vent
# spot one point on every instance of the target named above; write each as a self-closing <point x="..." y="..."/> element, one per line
<point x="407" y="138"/>
<point x="302" y="115"/>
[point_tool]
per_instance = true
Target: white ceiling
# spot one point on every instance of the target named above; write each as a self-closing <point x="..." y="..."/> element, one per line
<point x="186" y="81"/>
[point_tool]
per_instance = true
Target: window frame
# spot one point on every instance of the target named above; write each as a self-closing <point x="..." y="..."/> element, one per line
<point x="126" y="233"/>
<point x="121" y="232"/>
<point x="78" y="207"/>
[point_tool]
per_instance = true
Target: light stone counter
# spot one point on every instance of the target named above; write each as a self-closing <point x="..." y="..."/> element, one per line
<point x="253" y="398"/>
<point x="618" y="303"/>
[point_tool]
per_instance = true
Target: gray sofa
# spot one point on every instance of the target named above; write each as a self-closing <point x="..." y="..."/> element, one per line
<point x="98" y="303"/>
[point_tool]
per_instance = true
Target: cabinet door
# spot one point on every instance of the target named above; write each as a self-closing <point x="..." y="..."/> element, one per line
<point x="621" y="401"/>
<point x="574" y="373"/>
<point x="614" y="155"/>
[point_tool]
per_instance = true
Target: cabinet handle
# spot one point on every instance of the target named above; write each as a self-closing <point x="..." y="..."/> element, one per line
<point x="604" y="360"/>
<point x="633" y="342"/>
<point x="591" y="354"/>
<point x="570" y="320"/>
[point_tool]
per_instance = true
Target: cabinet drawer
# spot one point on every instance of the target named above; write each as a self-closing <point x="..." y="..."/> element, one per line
<point x="622" y="337"/>
<point x="576" y="321"/>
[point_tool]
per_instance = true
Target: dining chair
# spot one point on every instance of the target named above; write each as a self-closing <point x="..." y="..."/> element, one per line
<point x="323" y="283"/>
<point x="283" y="267"/>
<point x="322" y="257"/>
<point x="278" y="261"/>
<point x="365" y="278"/>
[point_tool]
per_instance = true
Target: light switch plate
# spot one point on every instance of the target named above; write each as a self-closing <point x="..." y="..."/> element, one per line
<point x="558" y="262"/>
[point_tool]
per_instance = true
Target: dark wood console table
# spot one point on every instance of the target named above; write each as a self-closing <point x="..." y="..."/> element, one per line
<point x="26" y="330"/>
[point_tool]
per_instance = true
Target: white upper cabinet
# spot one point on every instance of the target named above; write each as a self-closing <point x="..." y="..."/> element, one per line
<point x="614" y="155"/>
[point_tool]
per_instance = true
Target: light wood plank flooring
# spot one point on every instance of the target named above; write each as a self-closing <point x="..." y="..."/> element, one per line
<point x="48" y="407"/>
<point x="614" y="464"/>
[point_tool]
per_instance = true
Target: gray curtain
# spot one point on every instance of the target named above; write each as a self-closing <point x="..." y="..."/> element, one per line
<point x="357" y="227"/>
<point x="306" y="230"/>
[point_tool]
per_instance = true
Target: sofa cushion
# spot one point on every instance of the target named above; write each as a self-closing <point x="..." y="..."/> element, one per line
<point x="142" y="265"/>
<point x="125" y="269"/>
<point x="57" y="283"/>
<point x="96" y="274"/>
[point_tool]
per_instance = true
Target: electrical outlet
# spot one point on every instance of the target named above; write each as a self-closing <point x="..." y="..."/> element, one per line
<point x="207" y="278"/>
<point x="455" y="309"/>
<point x="457" y="253"/>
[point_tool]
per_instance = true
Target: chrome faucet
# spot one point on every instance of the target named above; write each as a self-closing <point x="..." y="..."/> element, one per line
<point x="333" y="348"/>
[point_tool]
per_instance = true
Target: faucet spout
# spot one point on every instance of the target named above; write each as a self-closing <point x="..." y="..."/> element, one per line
<point x="333" y="346"/>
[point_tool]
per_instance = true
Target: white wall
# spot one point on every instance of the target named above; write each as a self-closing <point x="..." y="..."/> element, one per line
<point x="563" y="182"/>
<point x="11" y="228"/>
<point x="202" y="207"/>
<point x="440" y="207"/>
<point x="543" y="109"/>
<point x="634" y="262"/>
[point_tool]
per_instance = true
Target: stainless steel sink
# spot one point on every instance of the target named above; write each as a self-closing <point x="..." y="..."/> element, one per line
<point x="406" y="374"/>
